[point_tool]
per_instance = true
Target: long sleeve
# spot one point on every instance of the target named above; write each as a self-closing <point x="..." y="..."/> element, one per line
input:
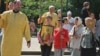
<point x="27" y="31"/>
<point x="42" y="18"/>
<point x="3" y="17"/>
<point x="1" y="22"/>
<point x="39" y="37"/>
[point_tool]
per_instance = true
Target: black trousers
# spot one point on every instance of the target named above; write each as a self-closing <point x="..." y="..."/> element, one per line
<point x="46" y="50"/>
<point x="88" y="51"/>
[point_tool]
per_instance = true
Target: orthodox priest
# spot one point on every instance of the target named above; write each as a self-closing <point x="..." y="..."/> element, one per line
<point x="16" y="26"/>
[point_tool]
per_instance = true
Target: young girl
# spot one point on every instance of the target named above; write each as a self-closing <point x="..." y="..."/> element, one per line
<point x="60" y="39"/>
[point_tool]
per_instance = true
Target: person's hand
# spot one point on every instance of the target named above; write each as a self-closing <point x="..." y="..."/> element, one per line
<point x="93" y="30"/>
<point x="42" y="43"/>
<point x="39" y="19"/>
<point x="76" y="36"/>
<point x="48" y="44"/>
<point x="28" y="44"/>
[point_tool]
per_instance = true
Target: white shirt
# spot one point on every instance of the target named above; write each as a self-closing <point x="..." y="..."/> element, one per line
<point x="67" y="27"/>
<point x="71" y="20"/>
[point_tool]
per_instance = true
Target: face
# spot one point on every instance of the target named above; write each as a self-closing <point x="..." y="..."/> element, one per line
<point x="60" y="24"/>
<point x="10" y="6"/>
<point x="17" y="6"/>
<point x="49" y="20"/>
<point x="76" y="22"/>
<point x="59" y="14"/>
<point x="69" y="15"/>
<point x="90" y="23"/>
<point x="88" y="7"/>
<point x="92" y="15"/>
<point x="66" y="21"/>
<point x="51" y="10"/>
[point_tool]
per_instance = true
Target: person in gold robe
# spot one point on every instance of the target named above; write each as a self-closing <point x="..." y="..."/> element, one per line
<point x="50" y="13"/>
<point x="16" y="26"/>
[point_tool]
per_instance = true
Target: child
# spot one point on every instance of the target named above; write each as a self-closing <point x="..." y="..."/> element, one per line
<point x="66" y="25"/>
<point x="45" y="37"/>
<point x="60" y="39"/>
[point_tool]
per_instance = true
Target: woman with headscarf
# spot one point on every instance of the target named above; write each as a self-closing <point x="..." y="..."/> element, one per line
<point x="89" y="38"/>
<point x="75" y="35"/>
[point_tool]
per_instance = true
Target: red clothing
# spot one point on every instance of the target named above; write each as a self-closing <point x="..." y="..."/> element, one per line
<point x="58" y="42"/>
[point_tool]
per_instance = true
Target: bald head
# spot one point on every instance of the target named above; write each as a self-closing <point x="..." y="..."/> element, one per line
<point x="51" y="8"/>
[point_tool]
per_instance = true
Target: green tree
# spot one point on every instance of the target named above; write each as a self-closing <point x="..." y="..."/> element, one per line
<point x="33" y="8"/>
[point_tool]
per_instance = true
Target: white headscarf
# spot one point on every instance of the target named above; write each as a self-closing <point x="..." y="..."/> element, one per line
<point x="79" y="20"/>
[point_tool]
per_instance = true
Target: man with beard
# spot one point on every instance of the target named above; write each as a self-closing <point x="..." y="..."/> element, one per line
<point x="15" y="25"/>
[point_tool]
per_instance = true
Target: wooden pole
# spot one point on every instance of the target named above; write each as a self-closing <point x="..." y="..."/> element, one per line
<point x="61" y="34"/>
<point x="61" y="9"/>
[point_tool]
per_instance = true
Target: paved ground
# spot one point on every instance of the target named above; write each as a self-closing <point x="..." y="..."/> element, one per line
<point x="40" y="55"/>
<point x="35" y="46"/>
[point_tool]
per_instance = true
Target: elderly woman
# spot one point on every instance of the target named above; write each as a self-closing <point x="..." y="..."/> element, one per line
<point x="75" y="35"/>
<point x="70" y="18"/>
<point x="88" y="47"/>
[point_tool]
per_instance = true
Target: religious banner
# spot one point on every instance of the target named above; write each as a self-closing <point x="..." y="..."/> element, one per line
<point x="47" y="33"/>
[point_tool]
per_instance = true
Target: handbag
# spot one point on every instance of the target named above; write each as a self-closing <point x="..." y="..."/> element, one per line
<point x="94" y="41"/>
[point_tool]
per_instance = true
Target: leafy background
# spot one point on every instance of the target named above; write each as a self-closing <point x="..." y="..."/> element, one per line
<point x="34" y="8"/>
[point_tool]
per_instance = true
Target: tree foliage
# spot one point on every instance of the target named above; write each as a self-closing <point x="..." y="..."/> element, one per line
<point x="34" y="8"/>
<point x="78" y="4"/>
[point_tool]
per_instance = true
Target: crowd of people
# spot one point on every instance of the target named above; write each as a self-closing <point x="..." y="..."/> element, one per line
<point x="81" y="34"/>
